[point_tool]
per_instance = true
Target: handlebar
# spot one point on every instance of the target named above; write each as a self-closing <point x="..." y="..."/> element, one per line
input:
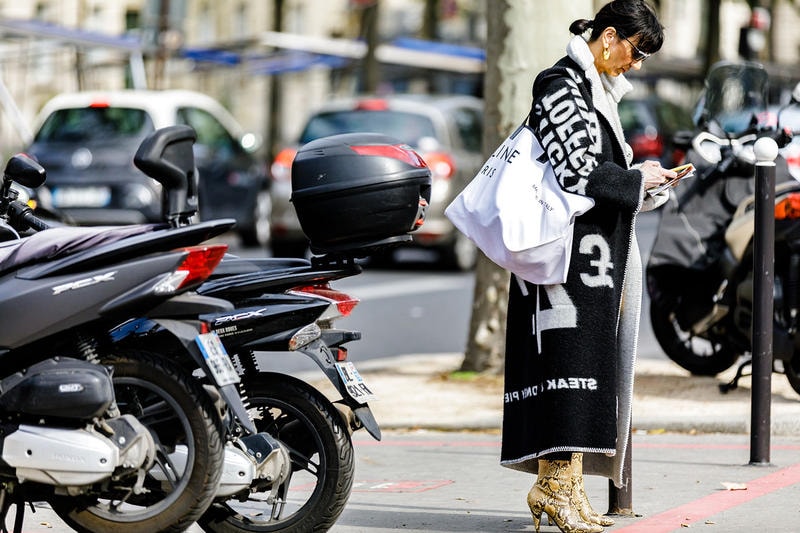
<point x="21" y="217"/>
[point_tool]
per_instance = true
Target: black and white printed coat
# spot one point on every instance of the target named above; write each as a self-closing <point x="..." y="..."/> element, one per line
<point x="571" y="348"/>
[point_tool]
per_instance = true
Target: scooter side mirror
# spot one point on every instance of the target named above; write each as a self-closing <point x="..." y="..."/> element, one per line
<point x="683" y="139"/>
<point x="24" y="170"/>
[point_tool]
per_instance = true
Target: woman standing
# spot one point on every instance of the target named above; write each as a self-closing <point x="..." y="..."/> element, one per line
<point x="570" y="348"/>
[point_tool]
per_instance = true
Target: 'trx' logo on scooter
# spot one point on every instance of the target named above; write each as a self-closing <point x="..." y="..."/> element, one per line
<point x="94" y="280"/>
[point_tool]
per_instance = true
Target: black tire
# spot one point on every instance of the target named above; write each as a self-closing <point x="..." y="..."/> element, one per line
<point x="460" y="254"/>
<point x="178" y="412"/>
<point x="313" y="431"/>
<point x="258" y="233"/>
<point x="702" y="356"/>
<point x="792" y="371"/>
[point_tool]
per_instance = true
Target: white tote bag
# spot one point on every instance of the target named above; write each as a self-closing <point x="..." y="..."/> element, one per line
<point x="516" y="212"/>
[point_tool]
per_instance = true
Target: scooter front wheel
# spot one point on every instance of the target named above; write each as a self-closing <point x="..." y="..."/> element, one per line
<point x="700" y="355"/>
<point x="312" y="429"/>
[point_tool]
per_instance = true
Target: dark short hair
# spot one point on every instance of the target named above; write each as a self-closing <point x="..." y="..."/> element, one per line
<point x="628" y="17"/>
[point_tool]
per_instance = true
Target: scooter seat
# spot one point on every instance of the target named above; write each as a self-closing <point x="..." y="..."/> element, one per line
<point x="60" y="242"/>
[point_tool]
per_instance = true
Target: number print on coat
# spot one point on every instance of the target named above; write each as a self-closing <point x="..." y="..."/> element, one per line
<point x="562" y="312"/>
<point x="596" y="246"/>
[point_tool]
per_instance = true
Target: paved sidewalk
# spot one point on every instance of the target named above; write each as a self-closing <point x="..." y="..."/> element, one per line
<point x="691" y="454"/>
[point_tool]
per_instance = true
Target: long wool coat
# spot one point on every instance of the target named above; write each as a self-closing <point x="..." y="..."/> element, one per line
<point x="570" y="348"/>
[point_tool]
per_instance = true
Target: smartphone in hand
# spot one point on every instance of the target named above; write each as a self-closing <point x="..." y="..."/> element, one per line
<point x="683" y="172"/>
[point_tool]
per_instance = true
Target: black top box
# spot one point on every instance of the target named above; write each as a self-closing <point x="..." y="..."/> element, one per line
<point x="359" y="191"/>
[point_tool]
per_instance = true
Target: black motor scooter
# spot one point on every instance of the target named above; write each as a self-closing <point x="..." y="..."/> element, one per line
<point x="700" y="271"/>
<point x="288" y="305"/>
<point x="62" y="291"/>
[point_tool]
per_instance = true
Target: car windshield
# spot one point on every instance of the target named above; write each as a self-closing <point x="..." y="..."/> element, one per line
<point x="94" y="124"/>
<point x="407" y="127"/>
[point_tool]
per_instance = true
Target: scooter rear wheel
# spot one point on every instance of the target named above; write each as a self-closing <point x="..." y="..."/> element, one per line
<point x="179" y="413"/>
<point x="323" y="464"/>
<point x="792" y="371"/>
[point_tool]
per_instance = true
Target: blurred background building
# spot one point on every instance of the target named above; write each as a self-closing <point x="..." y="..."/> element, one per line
<point x="271" y="63"/>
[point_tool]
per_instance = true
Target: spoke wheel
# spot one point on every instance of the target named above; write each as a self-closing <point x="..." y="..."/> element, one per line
<point x="700" y="355"/>
<point x="181" y="417"/>
<point x="312" y="430"/>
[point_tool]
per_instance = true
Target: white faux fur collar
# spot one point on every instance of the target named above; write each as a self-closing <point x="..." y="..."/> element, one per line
<point x="606" y="90"/>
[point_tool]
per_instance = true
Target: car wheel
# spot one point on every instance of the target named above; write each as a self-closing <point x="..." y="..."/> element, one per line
<point x="460" y="254"/>
<point x="258" y="234"/>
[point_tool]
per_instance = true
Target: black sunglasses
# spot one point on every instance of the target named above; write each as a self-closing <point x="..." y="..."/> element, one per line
<point x="637" y="54"/>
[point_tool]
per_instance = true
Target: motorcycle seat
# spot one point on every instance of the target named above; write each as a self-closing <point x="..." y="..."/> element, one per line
<point x="60" y="242"/>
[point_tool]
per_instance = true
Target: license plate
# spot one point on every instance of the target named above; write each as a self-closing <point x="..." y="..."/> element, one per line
<point x="81" y="196"/>
<point x="354" y="384"/>
<point x="217" y="360"/>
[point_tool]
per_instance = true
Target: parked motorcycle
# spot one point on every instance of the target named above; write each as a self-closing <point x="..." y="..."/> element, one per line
<point x="284" y="305"/>
<point x="62" y="291"/>
<point x="700" y="270"/>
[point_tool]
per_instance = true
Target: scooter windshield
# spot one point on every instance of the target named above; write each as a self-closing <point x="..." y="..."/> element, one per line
<point x="735" y="95"/>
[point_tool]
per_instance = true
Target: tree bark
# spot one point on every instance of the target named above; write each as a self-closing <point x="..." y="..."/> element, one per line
<point x="711" y="51"/>
<point x="522" y="39"/>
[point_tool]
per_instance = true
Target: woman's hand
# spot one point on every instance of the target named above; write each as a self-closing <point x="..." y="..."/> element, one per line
<point x="654" y="174"/>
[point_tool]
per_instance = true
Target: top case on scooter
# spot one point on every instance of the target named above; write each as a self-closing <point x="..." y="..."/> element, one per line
<point x="354" y="190"/>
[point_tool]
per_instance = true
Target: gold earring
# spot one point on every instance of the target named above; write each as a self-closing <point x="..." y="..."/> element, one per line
<point x="606" y="53"/>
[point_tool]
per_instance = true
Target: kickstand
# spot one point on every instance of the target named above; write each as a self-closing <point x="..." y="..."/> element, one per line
<point x="734" y="383"/>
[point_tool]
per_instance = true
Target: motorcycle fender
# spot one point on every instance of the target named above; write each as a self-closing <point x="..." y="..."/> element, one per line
<point x="364" y="415"/>
<point x="186" y="332"/>
<point x="359" y="417"/>
<point x="321" y="354"/>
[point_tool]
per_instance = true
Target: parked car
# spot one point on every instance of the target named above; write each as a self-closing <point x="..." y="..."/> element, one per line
<point x="86" y="141"/>
<point x="649" y="124"/>
<point x="445" y="130"/>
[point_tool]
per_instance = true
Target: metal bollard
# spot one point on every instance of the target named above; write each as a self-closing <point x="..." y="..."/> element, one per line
<point x="620" y="500"/>
<point x="766" y="150"/>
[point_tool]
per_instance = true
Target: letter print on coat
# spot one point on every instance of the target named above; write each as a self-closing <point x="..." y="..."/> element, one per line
<point x="565" y="117"/>
<point x="597" y="247"/>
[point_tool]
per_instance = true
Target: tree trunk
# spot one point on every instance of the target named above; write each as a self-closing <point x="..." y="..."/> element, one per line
<point x="369" y="31"/>
<point x="711" y="52"/>
<point x="522" y="39"/>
